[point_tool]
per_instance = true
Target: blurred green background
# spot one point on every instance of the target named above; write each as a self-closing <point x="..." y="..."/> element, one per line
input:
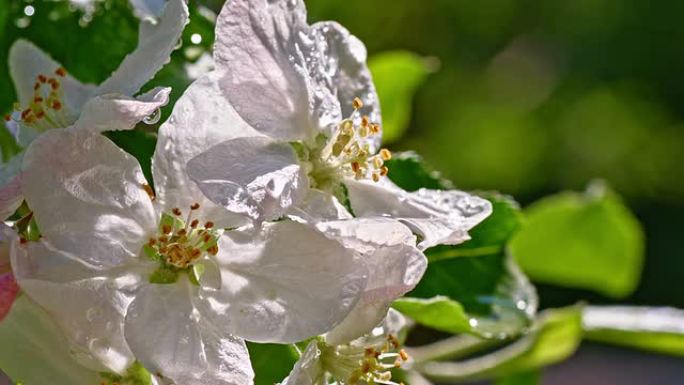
<point x="533" y="97"/>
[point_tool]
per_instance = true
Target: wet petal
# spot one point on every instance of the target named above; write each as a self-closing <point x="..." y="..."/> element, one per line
<point x="284" y="284"/>
<point x="257" y="177"/>
<point x="319" y="205"/>
<point x="394" y="263"/>
<point x="26" y="62"/>
<point x="156" y="41"/>
<point x="148" y="9"/>
<point x="337" y="63"/>
<point x="34" y="338"/>
<point x="171" y="337"/>
<point x="88" y="306"/>
<point x="258" y="45"/>
<point x="201" y="118"/>
<point x="439" y="217"/>
<point x="308" y="369"/>
<point x="114" y="112"/>
<point x="88" y="196"/>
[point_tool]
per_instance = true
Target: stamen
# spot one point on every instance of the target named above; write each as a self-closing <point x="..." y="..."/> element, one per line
<point x="357" y="103"/>
<point x="150" y="192"/>
<point x="386" y="154"/>
<point x="177" y="212"/>
<point x="195" y="206"/>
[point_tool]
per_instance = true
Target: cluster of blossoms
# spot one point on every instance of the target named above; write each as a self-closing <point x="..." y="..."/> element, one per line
<point x="270" y="217"/>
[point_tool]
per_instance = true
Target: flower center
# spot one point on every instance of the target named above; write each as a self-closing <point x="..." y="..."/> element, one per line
<point x="347" y="153"/>
<point x="371" y="364"/>
<point x="47" y="108"/>
<point x="180" y="244"/>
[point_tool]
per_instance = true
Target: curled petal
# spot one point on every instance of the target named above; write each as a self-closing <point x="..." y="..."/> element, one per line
<point x="114" y="112"/>
<point x="394" y="263"/>
<point x="308" y="369"/>
<point x="156" y="41"/>
<point x="439" y="217"/>
<point x="10" y="197"/>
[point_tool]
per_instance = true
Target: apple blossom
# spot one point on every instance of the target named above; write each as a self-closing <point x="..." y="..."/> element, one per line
<point x="307" y="93"/>
<point x="129" y="274"/>
<point x="48" y="97"/>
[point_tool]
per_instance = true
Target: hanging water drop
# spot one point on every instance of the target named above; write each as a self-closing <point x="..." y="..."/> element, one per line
<point x="153" y="118"/>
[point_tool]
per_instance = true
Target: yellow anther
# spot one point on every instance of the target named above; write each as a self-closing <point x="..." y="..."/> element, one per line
<point x="376" y="177"/>
<point x="378" y="162"/>
<point x="386" y="154"/>
<point x="384" y="171"/>
<point x="357" y="103"/>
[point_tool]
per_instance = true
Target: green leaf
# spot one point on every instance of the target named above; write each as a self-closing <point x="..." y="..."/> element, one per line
<point x="397" y="76"/>
<point x="439" y="313"/>
<point x="555" y="335"/>
<point x="590" y="241"/>
<point x="498" y="299"/>
<point x="38" y="349"/>
<point x="271" y="362"/>
<point x="654" y="329"/>
<point x="490" y="236"/>
<point x="409" y="171"/>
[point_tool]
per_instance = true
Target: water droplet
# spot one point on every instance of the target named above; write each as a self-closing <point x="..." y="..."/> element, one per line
<point x="29" y="10"/>
<point x="196" y="38"/>
<point x="179" y="44"/>
<point x="153" y="118"/>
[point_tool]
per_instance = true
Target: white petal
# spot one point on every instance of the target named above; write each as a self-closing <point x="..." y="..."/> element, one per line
<point x="10" y="197"/>
<point x="34" y="338"/>
<point x="201" y="118"/>
<point x="319" y="205"/>
<point x="114" y="112"/>
<point x="337" y="63"/>
<point x="26" y="62"/>
<point x="148" y="9"/>
<point x="394" y="263"/>
<point x="87" y="196"/>
<point x="393" y="324"/>
<point x="256" y="44"/>
<point x="285" y="284"/>
<point x="171" y="337"/>
<point x="89" y="307"/>
<point x="439" y="217"/>
<point x="308" y="369"/>
<point x="156" y="41"/>
<point x="257" y="177"/>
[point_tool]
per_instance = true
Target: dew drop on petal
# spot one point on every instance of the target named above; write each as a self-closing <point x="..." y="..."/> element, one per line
<point x="153" y="118"/>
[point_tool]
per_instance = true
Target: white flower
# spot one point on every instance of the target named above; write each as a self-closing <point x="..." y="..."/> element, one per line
<point x="313" y="115"/>
<point x="363" y="361"/>
<point x="128" y="274"/>
<point x="48" y="97"/>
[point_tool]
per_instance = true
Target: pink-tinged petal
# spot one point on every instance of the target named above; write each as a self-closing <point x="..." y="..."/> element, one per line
<point x="88" y="196"/>
<point x="8" y="293"/>
<point x="115" y="112"/>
